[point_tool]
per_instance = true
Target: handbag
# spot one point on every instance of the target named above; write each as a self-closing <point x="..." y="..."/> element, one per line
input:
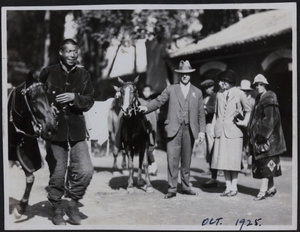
<point x="238" y="115"/>
<point x="262" y="148"/>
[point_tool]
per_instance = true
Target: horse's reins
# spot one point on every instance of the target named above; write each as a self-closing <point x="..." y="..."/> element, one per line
<point x="37" y="127"/>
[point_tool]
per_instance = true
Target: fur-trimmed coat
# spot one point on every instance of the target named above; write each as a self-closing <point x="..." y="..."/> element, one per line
<point x="265" y="123"/>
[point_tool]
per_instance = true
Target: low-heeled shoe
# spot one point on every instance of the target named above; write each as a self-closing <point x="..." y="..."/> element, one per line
<point x="170" y="195"/>
<point x="260" y="196"/>
<point x="189" y="192"/>
<point x="225" y="193"/>
<point x="232" y="193"/>
<point x="271" y="193"/>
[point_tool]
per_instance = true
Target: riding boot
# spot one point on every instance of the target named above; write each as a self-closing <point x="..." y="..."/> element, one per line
<point x="73" y="213"/>
<point x="57" y="217"/>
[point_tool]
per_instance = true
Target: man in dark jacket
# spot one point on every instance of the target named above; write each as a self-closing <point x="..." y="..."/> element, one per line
<point x="71" y="92"/>
<point x="209" y="106"/>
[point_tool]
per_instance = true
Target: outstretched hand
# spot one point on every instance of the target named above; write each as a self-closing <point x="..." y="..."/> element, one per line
<point x="143" y="109"/>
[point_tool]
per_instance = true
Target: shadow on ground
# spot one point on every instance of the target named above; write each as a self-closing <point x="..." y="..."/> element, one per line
<point x="199" y="181"/>
<point x="42" y="209"/>
<point x="120" y="182"/>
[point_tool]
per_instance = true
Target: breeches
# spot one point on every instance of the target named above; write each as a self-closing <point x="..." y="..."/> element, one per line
<point x="79" y="173"/>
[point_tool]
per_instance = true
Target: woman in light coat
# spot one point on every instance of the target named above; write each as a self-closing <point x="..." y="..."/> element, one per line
<point x="227" y="153"/>
<point x="266" y="138"/>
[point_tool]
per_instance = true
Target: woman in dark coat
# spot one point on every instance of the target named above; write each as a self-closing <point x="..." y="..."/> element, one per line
<point x="266" y="138"/>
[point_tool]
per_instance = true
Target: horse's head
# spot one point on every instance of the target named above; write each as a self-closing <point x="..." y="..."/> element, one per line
<point x="42" y="113"/>
<point x="129" y="96"/>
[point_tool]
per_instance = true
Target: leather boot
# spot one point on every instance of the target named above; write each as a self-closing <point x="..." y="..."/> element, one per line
<point x="57" y="217"/>
<point x="73" y="213"/>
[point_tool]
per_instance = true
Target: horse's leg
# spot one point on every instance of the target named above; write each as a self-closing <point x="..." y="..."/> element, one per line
<point x="130" y="155"/>
<point x="144" y="155"/>
<point x="115" y="153"/>
<point x="21" y="207"/>
<point x="124" y="163"/>
<point x="140" y="181"/>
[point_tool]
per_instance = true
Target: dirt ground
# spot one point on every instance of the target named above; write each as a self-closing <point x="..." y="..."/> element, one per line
<point x="107" y="204"/>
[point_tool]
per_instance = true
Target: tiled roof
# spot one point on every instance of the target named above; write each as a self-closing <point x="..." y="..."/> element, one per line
<point x="249" y="29"/>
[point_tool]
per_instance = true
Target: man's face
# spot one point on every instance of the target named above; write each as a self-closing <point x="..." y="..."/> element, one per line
<point x="209" y="90"/>
<point x="147" y="92"/>
<point x="247" y="92"/>
<point x="69" y="54"/>
<point x="185" y="78"/>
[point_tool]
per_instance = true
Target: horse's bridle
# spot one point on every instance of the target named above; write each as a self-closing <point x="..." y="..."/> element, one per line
<point x="133" y="105"/>
<point x="37" y="127"/>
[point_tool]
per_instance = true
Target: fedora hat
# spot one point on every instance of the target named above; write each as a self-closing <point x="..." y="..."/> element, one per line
<point x="260" y="78"/>
<point x="184" y="67"/>
<point x="207" y="83"/>
<point x="246" y="85"/>
<point x="228" y="76"/>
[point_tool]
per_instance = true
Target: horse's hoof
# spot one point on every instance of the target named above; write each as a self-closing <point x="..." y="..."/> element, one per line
<point x="140" y="182"/>
<point x="149" y="190"/>
<point x="130" y="190"/>
<point x="116" y="173"/>
<point x="19" y="210"/>
<point x="16" y="214"/>
<point x="125" y="172"/>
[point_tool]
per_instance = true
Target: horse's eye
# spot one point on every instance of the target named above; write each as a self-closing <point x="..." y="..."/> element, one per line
<point x="32" y="98"/>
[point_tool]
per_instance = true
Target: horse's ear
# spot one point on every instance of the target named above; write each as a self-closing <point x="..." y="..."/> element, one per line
<point x="121" y="81"/>
<point x="136" y="80"/>
<point x="116" y="88"/>
<point x="29" y="78"/>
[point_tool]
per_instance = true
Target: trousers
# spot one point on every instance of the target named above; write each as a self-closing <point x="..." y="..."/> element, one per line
<point x="179" y="150"/>
<point x="79" y="172"/>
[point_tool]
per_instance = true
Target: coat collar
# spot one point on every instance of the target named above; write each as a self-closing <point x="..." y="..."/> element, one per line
<point x="65" y="68"/>
<point x="232" y="93"/>
<point x="269" y="98"/>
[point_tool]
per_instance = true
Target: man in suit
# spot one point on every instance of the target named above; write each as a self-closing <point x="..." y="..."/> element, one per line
<point x="185" y="122"/>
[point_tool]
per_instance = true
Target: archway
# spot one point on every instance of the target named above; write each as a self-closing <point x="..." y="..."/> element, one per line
<point x="277" y="69"/>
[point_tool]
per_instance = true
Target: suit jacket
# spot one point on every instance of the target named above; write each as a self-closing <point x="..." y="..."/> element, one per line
<point x="226" y="110"/>
<point x="174" y="95"/>
<point x="71" y="122"/>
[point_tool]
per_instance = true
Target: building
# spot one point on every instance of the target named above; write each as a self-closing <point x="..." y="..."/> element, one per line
<point x="259" y="43"/>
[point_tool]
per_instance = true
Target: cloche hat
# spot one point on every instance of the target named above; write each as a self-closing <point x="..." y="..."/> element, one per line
<point x="207" y="83"/>
<point x="260" y="78"/>
<point x="228" y="75"/>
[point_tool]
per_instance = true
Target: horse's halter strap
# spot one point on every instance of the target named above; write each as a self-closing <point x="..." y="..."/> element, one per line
<point x="133" y="106"/>
<point x="36" y="126"/>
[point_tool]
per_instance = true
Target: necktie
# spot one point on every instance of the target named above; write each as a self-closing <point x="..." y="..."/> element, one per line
<point x="227" y="96"/>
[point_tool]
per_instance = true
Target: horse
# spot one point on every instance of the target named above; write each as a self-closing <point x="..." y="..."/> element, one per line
<point x="29" y="117"/>
<point x="133" y="134"/>
<point x="113" y="126"/>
